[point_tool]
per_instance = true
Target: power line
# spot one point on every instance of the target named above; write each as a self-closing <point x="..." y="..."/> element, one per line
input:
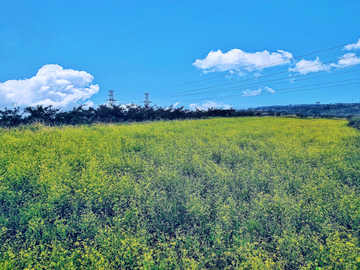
<point x="289" y="88"/>
<point x="255" y="78"/>
<point x="279" y="79"/>
<point x="266" y="94"/>
<point x="302" y="90"/>
<point x="249" y="69"/>
<point x="311" y="85"/>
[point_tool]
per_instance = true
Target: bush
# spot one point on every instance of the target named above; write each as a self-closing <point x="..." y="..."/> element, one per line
<point x="354" y="122"/>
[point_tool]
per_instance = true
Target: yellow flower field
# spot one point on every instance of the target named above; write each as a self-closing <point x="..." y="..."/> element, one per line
<point x="234" y="193"/>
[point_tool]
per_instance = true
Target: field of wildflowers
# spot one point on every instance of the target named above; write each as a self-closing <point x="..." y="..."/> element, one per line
<point x="235" y="193"/>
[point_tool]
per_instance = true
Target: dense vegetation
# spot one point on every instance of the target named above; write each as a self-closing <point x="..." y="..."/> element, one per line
<point x="49" y="115"/>
<point x="234" y="193"/>
<point x="354" y="122"/>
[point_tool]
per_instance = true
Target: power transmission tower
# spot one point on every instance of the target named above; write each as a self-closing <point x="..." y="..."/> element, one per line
<point x="146" y="101"/>
<point x="111" y="100"/>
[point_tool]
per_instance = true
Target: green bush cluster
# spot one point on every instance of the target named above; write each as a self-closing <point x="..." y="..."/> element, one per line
<point x="234" y="193"/>
<point x="81" y="115"/>
<point x="354" y="122"/>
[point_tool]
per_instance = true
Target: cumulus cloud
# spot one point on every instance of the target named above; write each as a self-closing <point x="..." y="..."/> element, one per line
<point x="176" y="103"/>
<point x="353" y="46"/>
<point x="268" y="89"/>
<point x="251" y="93"/>
<point x="305" y="66"/>
<point x="88" y="104"/>
<point x="209" y="104"/>
<point x="236" y="59"/>
<point x="349" y="59"/>
<point x="52" y="85"/>
<point x="308" y="66"/>
<point x="128" y="106"/>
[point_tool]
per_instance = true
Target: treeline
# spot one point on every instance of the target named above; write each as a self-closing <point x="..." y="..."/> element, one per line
<point x="123" y="113"/>
<point x="347" y="110"/>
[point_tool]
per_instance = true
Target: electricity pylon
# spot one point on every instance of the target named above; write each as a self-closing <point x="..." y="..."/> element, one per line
<point x="146" y="101"/>
<point x="111" y="100"/>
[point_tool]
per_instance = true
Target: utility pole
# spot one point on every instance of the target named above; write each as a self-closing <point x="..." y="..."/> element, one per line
<point x="111" y="100"/>
<point x="146" y="101"/>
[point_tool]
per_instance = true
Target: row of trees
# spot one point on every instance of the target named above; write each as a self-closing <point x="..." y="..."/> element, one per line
<point x="123" y="113"/>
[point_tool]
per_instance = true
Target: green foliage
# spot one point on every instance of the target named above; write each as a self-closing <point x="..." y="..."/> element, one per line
<point x="238" y="193"/>
<point x="354" y="122"/>
<point x="80" y="115"/>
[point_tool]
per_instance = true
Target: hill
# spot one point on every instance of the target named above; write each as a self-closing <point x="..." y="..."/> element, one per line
<point x="343" y="110"/>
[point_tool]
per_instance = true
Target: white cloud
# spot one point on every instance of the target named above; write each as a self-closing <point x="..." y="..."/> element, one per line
<point x="209" y="104"/>
<point x="305" y="66"/>
<point x="353" y="46"/>
<point x="268" y="89"/>
<point x="52" y="85"/>
<point x="236" y="59"/>
<point x="176" y="103"/>
<point x="251" y="93"/>
<point x="348" y="59"/>
<point x="128" y="106"/>
<point x="88" y="104"/>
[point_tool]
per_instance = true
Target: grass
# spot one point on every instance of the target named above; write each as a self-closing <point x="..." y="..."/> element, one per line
<point x="238" y="193"/>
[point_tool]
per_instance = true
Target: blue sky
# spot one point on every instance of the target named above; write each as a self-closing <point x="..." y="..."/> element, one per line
<point x="66" y="53"/>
